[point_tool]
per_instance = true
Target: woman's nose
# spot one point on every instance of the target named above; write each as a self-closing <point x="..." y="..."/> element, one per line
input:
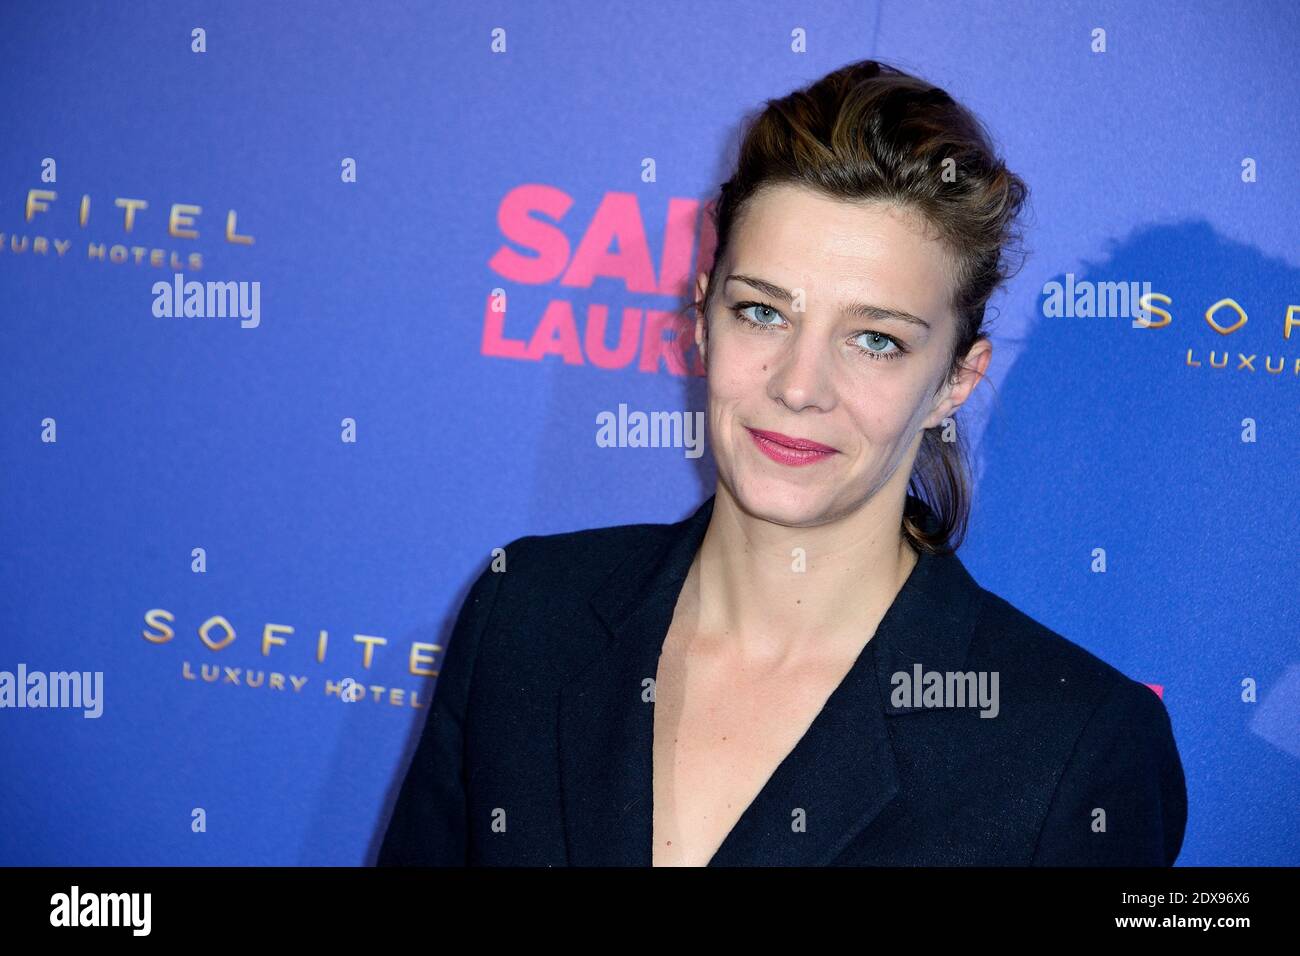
<point x="801" y="376"/>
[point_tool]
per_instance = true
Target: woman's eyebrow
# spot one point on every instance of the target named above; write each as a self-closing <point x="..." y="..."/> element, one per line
<point x="878" y="313"/>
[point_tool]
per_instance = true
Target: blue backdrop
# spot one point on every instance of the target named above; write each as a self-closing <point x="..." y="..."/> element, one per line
<point x="343" y="460"/>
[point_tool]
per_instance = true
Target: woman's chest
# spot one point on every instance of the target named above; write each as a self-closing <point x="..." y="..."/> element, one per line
<point x="720" y="732"/>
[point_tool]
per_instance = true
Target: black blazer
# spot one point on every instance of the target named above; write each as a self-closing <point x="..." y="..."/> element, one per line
<point x="537" y="746"/>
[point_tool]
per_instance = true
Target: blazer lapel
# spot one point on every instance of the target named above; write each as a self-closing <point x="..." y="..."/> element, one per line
<point x="606" y="728"/>
<point x="829" y="788"/>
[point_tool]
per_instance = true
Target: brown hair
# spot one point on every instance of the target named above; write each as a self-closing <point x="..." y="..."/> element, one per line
<point x="869" y="131"/>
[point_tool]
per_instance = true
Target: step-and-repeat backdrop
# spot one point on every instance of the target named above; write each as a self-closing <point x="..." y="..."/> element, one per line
<point x="247" y="515"/>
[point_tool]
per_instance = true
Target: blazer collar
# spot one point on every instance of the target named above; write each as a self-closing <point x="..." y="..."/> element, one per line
<point x="841" y="773"/>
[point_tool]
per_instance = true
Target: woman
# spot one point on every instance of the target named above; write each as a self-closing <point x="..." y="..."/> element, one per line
<point x="802" y="672"/>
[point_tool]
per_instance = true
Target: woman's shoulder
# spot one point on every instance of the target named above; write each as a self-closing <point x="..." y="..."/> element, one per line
<point x="1048" y="673"/>
<point x="530" y="614"/>
<point x="580" y="555"/>
<point x="1103" y="741"/>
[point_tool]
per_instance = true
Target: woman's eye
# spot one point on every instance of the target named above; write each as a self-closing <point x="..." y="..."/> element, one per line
<point x="762" y="313"/>
<point x="878" y="345"/>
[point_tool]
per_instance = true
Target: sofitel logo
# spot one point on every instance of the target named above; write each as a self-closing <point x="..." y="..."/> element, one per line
<point x="181" y="224"/>
<point x="216" y="633"/>
<point x="1244" y="362"/>
<point x="1085" y="299"/>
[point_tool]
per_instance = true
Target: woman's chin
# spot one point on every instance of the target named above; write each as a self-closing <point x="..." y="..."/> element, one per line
<point x="795" y="507"/>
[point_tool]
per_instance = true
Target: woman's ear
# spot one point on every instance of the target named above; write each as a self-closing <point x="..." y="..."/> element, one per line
<point x="956" y="390"/>
<point x="701" y="319"/>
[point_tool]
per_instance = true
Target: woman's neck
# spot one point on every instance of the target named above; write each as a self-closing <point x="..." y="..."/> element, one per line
<point x="779" y="591"/>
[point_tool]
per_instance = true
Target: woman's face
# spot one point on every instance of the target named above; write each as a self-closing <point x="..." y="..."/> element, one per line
<point x="808" y="336"/>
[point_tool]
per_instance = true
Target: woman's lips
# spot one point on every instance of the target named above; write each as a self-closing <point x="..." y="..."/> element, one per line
<point x="790" y="451"/>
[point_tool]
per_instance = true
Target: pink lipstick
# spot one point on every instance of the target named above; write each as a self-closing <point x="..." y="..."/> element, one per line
<point x="790" y="451"/>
